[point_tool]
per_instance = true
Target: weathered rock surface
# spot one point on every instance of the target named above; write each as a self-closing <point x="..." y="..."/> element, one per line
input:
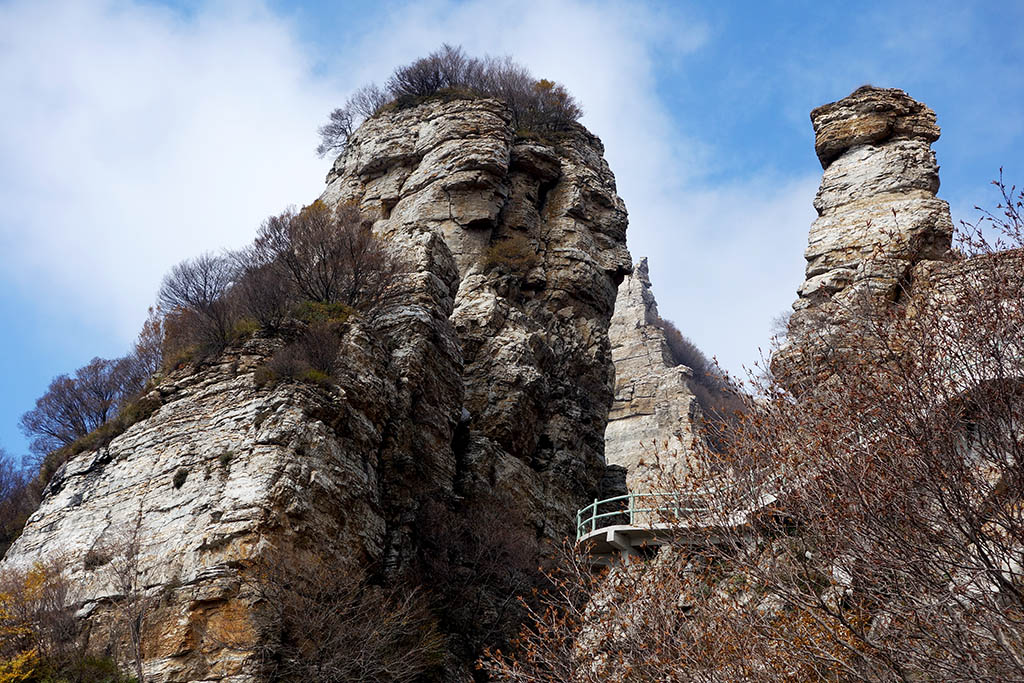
<point x="878" y="216"/>
<point x="655" y="417"/>
<point x="538" y="234"/>
<point x="487" y="382"/>
<point x="293" y="466"/>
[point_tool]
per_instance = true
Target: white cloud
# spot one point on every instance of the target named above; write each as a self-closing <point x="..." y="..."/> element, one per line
<point x="134" y="137"/>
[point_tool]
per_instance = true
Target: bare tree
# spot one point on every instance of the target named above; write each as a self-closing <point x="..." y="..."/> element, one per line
<point x="73" y="406"/>
<point x="144" y="360"/>
<point x="195" y="292"/>
<point x="132" y="604"/>
<point x="263" y="294"/>
<point x="444" y="68"/>
<point x="17" y="500"/>
<point x="329" y="256"/>
<point x="342" y="122"/>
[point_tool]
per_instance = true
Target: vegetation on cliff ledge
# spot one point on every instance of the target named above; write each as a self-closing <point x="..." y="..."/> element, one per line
<point x="536" y="106"/>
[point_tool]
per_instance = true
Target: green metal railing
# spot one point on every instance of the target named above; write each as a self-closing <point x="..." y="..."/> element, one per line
<point x="639" y="508"/>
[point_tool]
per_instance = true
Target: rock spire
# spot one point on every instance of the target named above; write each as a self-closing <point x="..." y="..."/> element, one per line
<point x="655" y="417"/>
<point x="878" y="216"/>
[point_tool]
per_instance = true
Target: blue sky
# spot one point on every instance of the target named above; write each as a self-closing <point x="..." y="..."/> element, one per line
<point x="139" y="133"/>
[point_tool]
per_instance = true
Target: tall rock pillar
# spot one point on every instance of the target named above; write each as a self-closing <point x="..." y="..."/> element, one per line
<point x="653" y="420"/>
<point x="878" y="216"/>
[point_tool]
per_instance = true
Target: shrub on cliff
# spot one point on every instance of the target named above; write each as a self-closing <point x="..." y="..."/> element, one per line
<point x="536" y="105"/>
<point x="328" y="256"/>
<point x="40" y="639"/>
<point x="324" y="621"/>
<point x="16" y="501"/>
<point x="74" y="406"/>
<point x="317" y="264"/>
<point x="512" y="255"/>
<point x="194" y="294"/>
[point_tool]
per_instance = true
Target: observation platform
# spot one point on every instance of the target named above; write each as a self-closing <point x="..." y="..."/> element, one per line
<point x="637" y="524"/>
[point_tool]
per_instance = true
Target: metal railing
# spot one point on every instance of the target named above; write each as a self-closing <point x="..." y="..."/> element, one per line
<point x="637" y="508"/>
<point x="648" y="509"/>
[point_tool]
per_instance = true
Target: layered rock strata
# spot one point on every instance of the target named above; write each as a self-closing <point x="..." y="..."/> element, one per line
<point x="878" y="216"/>
<point x="225" y="469"/>
<point x="485" y="383"/>
<point x="538" y="235"/>
<point x="655" y="417"/>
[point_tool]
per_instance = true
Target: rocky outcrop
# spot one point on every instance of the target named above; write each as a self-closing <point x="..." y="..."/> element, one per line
<point x="538" y="234"/>
<point x="655" y="417"/>
<point x="485" y="383"/>
<point x="878" y="216"/>
<point x="225" y="469"/>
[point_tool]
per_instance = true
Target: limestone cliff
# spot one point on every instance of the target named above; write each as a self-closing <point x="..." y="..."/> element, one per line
<point x="486" y="382"/>
<point x="655" y="416"/>
<point x="537" y="234"/>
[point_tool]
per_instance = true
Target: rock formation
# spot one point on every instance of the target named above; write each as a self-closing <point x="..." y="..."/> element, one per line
<point x="486" y="384"/>
<point x="537" y="234"/>
<point x="225" y="468"/>
<point x="878" y="216"/>
<point x="654" y="419"/>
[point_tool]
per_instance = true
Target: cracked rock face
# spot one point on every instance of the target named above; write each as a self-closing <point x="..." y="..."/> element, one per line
<point x="878" y="216"/>
<point x="655" y="417"/>
<point x="538" y="235"/>
<point x="486" y="381"/>
<point x="256" y="468"/>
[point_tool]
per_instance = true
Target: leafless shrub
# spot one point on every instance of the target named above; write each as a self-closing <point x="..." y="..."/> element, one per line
<point x="551" y="107"/>
<point x="1007" y="222"/>
<point x="18" y="499"/>
<point x="514" y="255"/>
<point x="444" y="68"/>
<point x="288" y="363"/>
<point x="324" y="621"/>
<point x="342" y="122"/>
<point x="145" y="358"/>
<point x="123" y="549"/>
<point x="779" y="325"/>
<point x="319" y="346"/>
<point x="74" y="406"/>
<point x="536" y="105"/>
<point x="329" y="256"/>
<point x="480" y="562"/>
<point x="261" y="292"/>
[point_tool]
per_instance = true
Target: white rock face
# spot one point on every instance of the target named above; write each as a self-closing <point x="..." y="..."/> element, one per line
<point x="878" y="216"/>
<point x="655" y="417"/>
<point x="257" y="469"/>
<point x="538" y="235"/>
